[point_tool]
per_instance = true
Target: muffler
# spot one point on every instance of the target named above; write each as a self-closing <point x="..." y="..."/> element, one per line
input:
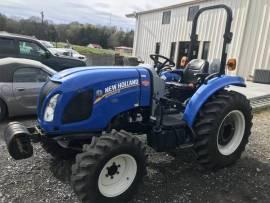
<point x="18" y="141"/>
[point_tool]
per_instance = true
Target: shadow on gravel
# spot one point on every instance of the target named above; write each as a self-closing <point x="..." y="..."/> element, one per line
<point x="61" y="169"/>
<point x="181" y="179"/>
<point x="169" y="179"/>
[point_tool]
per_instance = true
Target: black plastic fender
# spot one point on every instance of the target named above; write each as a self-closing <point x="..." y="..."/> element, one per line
<point x="18" y="141"/>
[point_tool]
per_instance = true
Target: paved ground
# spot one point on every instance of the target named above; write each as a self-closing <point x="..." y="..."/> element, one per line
<point x="253" y="90"/>
<point x="169" y="179"/>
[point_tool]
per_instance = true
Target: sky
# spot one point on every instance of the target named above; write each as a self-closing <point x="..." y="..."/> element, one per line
<point x="97" y="12"/>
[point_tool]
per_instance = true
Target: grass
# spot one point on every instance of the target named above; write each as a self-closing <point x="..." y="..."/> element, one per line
<point x="86" y="50"/>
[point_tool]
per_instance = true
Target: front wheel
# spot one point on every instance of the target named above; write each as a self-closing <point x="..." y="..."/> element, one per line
<point x="110" y="169"/>
<point x="223" y="127"/>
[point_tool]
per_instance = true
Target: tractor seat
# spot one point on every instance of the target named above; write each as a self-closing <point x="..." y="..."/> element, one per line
<point x="196" y="66"/>
<point x="188" y="75"/>
<point x="188" y="83"/>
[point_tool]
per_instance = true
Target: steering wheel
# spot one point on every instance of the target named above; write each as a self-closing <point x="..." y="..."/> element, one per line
<point x="160" y="66"/>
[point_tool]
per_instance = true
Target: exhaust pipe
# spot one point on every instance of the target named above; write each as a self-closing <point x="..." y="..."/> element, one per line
<point x="18" y="141"/>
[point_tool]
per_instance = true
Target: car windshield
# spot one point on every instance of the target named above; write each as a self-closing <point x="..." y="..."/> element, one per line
<point x="47" y="44"/>
<point x="74" y="52"/>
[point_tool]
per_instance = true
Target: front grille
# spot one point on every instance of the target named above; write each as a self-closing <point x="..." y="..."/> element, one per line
<point x="46" y="89"/>
<point x="79" y="107"/>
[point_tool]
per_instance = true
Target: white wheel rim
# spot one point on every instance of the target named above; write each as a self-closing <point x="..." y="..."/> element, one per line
<point x="237" y="119"/>
<point x="117" y="175"/>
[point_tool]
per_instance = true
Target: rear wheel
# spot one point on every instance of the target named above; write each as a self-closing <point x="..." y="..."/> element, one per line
<point x="223" y="127"/>
<point x="3" y="110"/>
<point x="109" y="170"/>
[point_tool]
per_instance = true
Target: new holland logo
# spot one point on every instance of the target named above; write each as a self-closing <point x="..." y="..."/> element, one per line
<point x="115" y="89"/>
<point x="99" y="93"/>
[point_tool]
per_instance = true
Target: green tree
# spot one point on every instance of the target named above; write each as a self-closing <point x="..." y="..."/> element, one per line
<point x="75" y="33"/>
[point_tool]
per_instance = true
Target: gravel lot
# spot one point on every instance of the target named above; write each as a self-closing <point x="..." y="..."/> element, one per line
<point x="169" y="179"/>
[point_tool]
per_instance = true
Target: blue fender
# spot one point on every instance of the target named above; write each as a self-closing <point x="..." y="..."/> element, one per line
<point x="206" y="91"/>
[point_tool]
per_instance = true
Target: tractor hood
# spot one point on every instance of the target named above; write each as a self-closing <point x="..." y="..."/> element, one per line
<point x="97" y="91"/>
<point x="82" y="71"/>
<point x="88" y="77"/>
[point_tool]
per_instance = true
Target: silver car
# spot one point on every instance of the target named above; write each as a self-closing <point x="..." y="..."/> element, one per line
<point x="20" y="84"/>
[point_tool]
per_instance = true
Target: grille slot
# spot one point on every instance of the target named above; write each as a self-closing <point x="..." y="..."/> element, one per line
<point x="79" y="107"/>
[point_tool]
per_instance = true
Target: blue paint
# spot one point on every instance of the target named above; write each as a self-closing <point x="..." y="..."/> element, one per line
<point x="124" y="99"/>
<point x="96" y="78"/>
<point x="172" y="76"/>
<point x="146" y="88"/>
<point x="206" y="91"/>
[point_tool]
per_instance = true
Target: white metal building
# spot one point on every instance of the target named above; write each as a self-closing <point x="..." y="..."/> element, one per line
<point x="167" y="31"/>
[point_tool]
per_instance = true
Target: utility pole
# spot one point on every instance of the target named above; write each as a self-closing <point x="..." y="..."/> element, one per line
<point x="42" y="17"/>
<point x="42" y="24"/>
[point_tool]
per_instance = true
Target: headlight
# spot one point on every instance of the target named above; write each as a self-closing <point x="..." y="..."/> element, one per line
<point x="49" y="111"/>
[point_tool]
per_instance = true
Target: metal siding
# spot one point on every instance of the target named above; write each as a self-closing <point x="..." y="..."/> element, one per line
<point x="210" y="28"/>
<point x="256" y="43"/>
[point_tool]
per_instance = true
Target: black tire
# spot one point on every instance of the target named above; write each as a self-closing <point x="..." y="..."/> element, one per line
<point x="90" y="163"/>
<point x="210" y="119"/>
<point x="3" y="110"/>
<point x="56" y="151"/>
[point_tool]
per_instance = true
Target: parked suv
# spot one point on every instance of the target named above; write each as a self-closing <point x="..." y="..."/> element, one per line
<point x="19" y="46"/>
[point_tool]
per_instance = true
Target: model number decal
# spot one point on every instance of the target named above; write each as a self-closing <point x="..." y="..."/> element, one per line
<point x="116" y="88"/>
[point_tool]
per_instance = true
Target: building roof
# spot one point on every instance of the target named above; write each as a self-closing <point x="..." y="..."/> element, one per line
<point x="191" y="2"/>
<point x="123" y="47"/>
<point x="95" y="45"/>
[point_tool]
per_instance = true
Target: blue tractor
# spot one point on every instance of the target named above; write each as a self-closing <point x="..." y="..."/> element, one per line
<point x="91" y="115"/>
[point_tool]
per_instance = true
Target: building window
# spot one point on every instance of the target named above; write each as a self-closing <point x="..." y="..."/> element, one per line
<point x="157" y="48"/>
<point x="205" y="51"/>
<point x="173" y="47"/>
<point x="192" y="12"/>
<point x="166" y="18"/>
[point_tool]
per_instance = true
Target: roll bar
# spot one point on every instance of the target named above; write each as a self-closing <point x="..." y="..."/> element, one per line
<point x="227" y="35"/>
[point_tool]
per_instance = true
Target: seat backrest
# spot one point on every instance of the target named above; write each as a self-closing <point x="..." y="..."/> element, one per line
<point x="195" y="66"/>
